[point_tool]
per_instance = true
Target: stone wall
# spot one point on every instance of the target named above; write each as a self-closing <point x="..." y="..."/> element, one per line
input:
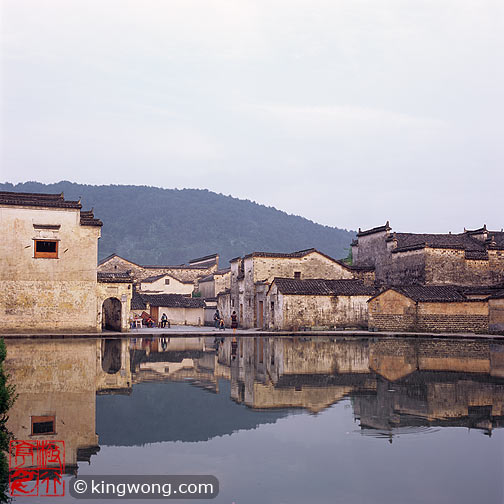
<point x="46" y="294"/>
<point x="120" y="291"/>
<point x="392" y="311"/>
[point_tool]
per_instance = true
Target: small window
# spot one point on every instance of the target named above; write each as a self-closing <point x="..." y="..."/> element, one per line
<point x="43" y="425"/>
<point x="167" y="281"/>
<point x="272" y="306"/>
<point x="297" y="274"/>
<point x="46" y="248"/>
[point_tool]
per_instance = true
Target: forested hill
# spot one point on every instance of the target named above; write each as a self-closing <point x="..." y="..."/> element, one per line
<point x="149" y="225"/>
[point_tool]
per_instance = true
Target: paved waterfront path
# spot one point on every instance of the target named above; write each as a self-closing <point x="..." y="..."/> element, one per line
<point x="188" y="331"/>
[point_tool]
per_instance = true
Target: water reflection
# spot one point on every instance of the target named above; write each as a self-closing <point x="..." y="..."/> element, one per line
<point x="132" y="392"/>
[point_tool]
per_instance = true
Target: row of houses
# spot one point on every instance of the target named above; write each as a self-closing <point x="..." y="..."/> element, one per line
<point x="397" y="281"/>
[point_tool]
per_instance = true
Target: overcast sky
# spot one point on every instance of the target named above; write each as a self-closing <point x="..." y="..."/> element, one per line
<point x="347" y="112"/>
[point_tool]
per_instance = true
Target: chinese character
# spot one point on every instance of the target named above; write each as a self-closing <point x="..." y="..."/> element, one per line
<point x="36" y="468"/>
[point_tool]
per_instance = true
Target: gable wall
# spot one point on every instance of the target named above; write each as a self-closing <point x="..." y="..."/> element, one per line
<point x="44" y="294"/>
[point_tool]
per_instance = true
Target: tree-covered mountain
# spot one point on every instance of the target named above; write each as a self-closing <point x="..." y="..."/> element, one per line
<point x="149" y="225"/>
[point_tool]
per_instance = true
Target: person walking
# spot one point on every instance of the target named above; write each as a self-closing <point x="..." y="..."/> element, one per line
<point x="234" y="321"/>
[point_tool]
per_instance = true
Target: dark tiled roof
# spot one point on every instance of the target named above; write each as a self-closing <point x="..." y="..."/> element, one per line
<point x="461" y="241"/>
<point x="204" y="259"/>
<point x="480" y="290"/>
<point x="222" y="271"/>
<point x="120" y="277"/>
<point x="87" y="218"/>
<point x="166" y="300"/>
<point x="299" y="253"/>
<point x="323" y="287"/>
<point x="378" y="229"/>
<point x="432" y="293"/>
<point x="207" y="278"/>
<point x="498" y="295"/>
<point x="37" y="199"/>
<point x="152" y="279"/>
<point x="137" y="303"/>
<point x="357" y="268"/>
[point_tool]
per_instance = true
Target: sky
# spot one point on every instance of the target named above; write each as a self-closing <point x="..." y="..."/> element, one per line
<point x="347" y="112"/>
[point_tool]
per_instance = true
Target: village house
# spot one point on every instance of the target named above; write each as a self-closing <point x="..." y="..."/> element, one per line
<point x="195" y="269"/>
<point x="471" y="258"/>
<point x="166" y="284"/>
<point x="427" y="308"/>
<point x="293" y="304"/>
<point x="179" y="309"/>
<point x="49" y="273"/>
<point x="252" y="275"/>
<point x="210" y="287"/>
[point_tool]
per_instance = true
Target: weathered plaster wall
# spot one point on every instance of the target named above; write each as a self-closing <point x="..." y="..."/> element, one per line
<point x="224" y="306"/>
<point x="183" y="316"/>
<point x="372" y="250"/>
<point x="43" y="294"/>
<point x="222" y="282"/>
<point x="174" y="286"/>
<point x="447" y="266"/>
<point x="322" y="311"/>
<point x="207" y="289"/>
<point x="403" y="268"/>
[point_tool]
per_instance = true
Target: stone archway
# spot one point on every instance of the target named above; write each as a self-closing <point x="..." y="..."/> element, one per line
<point x="111" y="355"/>
<point x="111" y="314"/>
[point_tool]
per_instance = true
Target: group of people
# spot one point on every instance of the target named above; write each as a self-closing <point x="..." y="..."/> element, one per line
<point x="148" y="321"/>
<point x="219" y="321"/>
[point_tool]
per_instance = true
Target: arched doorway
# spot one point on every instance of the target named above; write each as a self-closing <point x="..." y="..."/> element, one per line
<point x="111" y="355"/>
<point x="111" y="314"/>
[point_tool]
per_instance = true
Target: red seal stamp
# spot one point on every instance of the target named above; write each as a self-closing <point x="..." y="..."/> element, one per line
<point x="36" y="468"/>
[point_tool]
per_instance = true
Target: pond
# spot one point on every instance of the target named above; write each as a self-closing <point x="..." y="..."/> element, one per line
<point x="291" y="420"/>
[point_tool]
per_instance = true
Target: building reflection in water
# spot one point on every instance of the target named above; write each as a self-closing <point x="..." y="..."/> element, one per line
<point x="395" y="385"/>
<point x="57" y="382"/>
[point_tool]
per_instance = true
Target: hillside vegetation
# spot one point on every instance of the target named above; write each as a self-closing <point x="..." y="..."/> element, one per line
<point x="149" y="225"/>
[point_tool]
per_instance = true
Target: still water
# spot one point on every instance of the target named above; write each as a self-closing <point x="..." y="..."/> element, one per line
<point x="291" y="420"/>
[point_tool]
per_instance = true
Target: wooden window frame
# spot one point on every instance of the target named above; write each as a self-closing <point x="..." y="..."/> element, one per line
<point x="40" y="419"/>
<point x="45" y="255"/>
